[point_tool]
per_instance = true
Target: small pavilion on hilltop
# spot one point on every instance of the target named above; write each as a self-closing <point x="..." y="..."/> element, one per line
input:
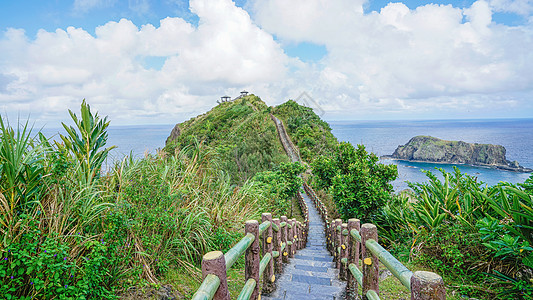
<point x="225" y="98"/>
<point x="244" y="93"/>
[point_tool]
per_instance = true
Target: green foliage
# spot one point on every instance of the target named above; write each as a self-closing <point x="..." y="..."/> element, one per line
<point x="462" y="228"/>
<point x="86" y="145"/>
<point x="510" y="202"/>
<point x="453" y="253"/>
<point x="308" y="132"/>
<point x="21" y="171"/>
<point x="71" y="232"/>
<point x="42" y="267"/>
<point x="242" y="134"/>
<point x="528" y="185"/>
<point x="358" y="183"/>
<point x="498" y="238"/>
<point x="458" y="197"/>
<point x="57" y="163"/>
<point x="280" y="186"/>
<point x="513" y="288"/>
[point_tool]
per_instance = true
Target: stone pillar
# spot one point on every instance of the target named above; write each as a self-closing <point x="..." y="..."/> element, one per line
<point x="268" y="243"/>
<point x="251" y="258"/>
<point x="370" y="261"/>
<point x="427" y="286"/>
<point x="214" y="263"/>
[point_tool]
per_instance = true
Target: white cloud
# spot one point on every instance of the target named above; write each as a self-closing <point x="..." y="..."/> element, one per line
<point x="520" y="7"/>
<point x="58" y="69"/>
<point x="399" y="62"/>
<point x="401" y="59"/>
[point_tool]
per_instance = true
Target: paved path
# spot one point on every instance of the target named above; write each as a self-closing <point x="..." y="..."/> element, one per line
<point x="285" y="140"/>
<point x="311" y="274"/>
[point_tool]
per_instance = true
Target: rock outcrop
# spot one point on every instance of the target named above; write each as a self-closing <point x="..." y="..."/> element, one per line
<point x="431" y="149"/>
<point x="173" y="134"/>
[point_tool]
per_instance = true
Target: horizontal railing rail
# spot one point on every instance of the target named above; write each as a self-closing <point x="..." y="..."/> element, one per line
<point x="348" y="242"/>
<point x="280" y="239"/>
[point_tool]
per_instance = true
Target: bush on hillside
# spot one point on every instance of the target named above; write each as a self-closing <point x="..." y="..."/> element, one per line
<point x="358" y="183"/>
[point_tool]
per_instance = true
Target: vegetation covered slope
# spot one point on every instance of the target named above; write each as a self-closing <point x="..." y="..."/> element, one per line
<point x="242" y="134"/>
<point x="70" y="231"/>
<point x="308" y="132"/>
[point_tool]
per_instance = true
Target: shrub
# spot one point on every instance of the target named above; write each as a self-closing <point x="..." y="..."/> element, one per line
<point x="358" y="183"/>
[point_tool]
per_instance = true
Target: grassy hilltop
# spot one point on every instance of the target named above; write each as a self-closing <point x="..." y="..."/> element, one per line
<point x="243" y="135"/>
<point x="240" y="132"/>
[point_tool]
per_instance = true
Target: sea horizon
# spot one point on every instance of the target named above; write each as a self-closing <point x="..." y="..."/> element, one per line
<point x="378" y="136"/>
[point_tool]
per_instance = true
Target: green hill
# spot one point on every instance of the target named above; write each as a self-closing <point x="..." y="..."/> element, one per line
<point x="241" y="133"/>
<point x="308" y="132"/>
<point x="244" y="137"/>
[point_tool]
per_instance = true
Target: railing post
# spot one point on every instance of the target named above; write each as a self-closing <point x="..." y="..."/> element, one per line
<point x="278" y="266"/>
<point x="284" y="239"/>
<point x="370" y="261"/>
<point x="252" y="258"/>
<point x="427" y="286"/>
<point x="329" y="243"/>
<point x="292" y="230"/>
<point x="300" y="235"/>
<point x="338" y="235"/>
<point x="214" y="263"/>
<point x="344" y="252"/>
<point x="353" y="257"/>
<point x="296" y="236"/>
<point x="268" y="274"/>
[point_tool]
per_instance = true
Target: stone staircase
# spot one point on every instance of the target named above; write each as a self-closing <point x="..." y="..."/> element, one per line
<point x="311" y="274"/>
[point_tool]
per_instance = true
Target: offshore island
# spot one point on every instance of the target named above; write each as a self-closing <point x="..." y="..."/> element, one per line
<point x="431" y="149"/>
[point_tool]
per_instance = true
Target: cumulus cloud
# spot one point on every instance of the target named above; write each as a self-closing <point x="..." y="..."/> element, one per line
<point x="57" y="69"/>
<point x="432" y="61"/>
<point x="399" y="59"/>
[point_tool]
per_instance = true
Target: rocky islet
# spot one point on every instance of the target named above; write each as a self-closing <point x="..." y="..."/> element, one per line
<point x="435" y="150"/>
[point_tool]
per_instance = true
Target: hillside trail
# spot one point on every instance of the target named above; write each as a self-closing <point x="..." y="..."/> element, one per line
<point x="311" y="274"/>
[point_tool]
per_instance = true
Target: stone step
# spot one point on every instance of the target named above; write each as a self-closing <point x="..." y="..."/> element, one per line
<point x="311" y="273"/>
<point x="311" y="268"/>
<point x="305" y="291"/>
<point x="319" y="258"/>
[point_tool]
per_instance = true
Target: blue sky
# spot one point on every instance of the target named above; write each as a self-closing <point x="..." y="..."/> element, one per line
<point x="358" y="59"/>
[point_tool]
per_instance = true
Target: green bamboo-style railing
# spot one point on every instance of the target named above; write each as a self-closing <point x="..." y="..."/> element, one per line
<point x="280" y="239"/>
<point x="348" y="242"/>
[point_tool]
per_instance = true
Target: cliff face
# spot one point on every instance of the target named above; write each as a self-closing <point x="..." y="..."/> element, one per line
<point x="174" y="134"/>
<point x="431" y="149"/>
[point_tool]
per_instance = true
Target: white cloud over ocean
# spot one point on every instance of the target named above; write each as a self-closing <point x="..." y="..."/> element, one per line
<point x="432" y="61"/>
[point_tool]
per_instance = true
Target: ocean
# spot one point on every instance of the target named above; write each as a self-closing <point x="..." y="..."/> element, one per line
<point x="380" y="137"/>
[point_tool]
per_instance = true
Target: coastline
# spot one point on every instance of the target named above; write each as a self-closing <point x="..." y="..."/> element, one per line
<point x="498" y="167"/>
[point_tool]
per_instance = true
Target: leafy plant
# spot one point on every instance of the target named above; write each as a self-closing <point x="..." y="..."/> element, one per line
<point x="514" y="288"/>
<point x="21" y="171"/>
<point x="86" y="144"/>
<point x="358" y="183"/>
<point x="498" y="238"/>
<point x="280" y="186"/>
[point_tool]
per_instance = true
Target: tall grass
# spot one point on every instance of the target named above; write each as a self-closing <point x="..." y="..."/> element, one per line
<point x="21" y="171"/>
<point x="470" y="232"/>
<point x="70" y="231"/>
